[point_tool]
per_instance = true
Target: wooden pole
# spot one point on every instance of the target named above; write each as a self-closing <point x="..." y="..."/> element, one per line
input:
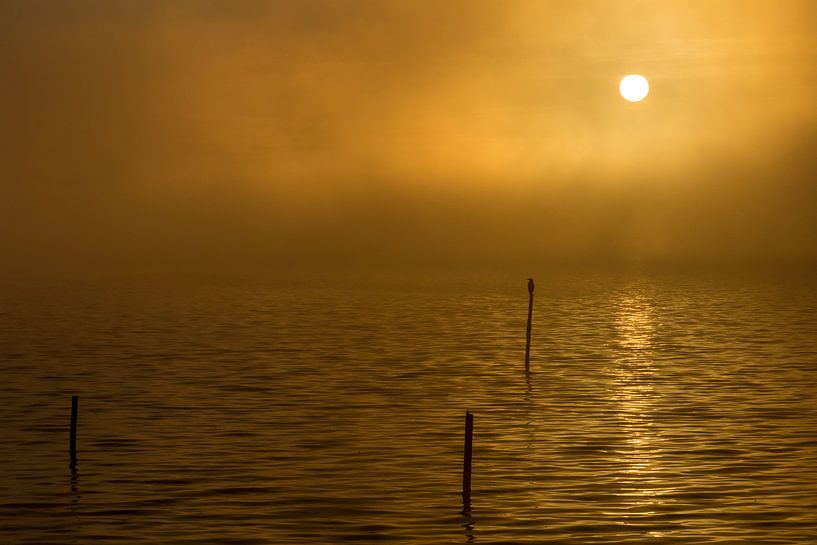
<point x="72" y="447"/>
<point x="466" y="462"/>
<point x="527" y="331"/>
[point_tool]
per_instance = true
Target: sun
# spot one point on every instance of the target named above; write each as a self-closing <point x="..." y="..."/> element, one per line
<point x="634" y="87"/>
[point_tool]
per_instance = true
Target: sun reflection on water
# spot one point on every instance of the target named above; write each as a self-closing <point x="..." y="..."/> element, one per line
<point x="634" y="377"/>
<point x="635" y="325"/>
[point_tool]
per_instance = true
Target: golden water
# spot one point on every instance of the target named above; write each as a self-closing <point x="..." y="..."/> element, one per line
<point x="660" y="409"/>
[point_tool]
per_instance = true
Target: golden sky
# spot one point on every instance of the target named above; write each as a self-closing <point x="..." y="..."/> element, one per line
<point x="141" y="133"/>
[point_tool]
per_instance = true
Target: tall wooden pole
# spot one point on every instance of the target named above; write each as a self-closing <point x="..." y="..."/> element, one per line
<point x="72" y="446"/>
<point x="527" y="332"/>
<point x="466" y="462"/>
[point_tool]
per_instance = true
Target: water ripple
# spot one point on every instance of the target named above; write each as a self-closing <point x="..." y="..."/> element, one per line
<point x="677" y="410"/>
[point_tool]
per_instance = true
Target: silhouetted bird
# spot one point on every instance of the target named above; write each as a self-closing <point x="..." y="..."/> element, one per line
<point x="530" y="285"/>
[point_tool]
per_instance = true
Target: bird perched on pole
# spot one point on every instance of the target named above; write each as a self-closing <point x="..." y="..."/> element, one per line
<point x="528" y="329"/>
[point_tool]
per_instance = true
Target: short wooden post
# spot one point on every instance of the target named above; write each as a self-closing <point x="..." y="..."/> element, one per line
<point x="72" y="447"/>
<point x="466" y="462"/>
<point x="528" y="330"/>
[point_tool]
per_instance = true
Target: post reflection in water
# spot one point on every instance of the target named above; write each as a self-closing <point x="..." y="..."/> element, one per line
<point x="74" y="506"/>
<point x="468" y="528"/>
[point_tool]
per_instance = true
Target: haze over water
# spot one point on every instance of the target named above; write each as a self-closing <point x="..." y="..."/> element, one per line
<point x="660" y="409"/>
<point x="243" y="134"/>
<point x="162" y="161"/>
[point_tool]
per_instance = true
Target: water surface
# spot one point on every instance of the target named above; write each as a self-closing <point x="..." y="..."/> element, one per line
<point x="660" y="409"/>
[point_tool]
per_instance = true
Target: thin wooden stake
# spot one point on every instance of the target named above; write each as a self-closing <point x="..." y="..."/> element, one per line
<point x="528" y="330"/>
<point x="466" y="462"/>
<point x="72" y="448"/>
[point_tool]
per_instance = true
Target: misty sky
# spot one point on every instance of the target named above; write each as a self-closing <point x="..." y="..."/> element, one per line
<point x="236" y="133"/>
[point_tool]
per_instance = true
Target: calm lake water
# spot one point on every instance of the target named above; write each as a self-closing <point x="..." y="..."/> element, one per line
<point x="660" y="409"/>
